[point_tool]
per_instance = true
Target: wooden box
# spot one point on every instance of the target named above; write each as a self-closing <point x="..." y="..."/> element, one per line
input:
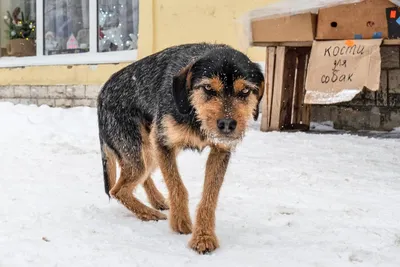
<point x="300" y="28"/>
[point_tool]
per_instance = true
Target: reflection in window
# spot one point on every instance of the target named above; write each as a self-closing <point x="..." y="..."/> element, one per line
<point x="118" y="25"/>
<point x="19" y="26"/>
<point x="66" y="26"/>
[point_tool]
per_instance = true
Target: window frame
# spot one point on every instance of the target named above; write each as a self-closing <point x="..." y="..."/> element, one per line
<point x="91" y="57"/>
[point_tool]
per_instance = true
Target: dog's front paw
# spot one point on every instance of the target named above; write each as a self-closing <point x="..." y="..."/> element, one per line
<point x="181" y="223"/>
<point x="204" y="243"/>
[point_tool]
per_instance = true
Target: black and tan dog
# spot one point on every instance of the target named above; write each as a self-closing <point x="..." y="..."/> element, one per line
<point x="185" y="97"/>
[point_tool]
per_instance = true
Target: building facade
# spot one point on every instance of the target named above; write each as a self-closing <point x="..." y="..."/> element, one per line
<point x="60" y="52"/>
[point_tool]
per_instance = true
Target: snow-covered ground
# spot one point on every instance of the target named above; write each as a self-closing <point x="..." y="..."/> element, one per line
<point x="290" y="199"/>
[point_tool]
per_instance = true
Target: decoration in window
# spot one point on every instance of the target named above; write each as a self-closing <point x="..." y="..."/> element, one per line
<point x="21" y="32"/>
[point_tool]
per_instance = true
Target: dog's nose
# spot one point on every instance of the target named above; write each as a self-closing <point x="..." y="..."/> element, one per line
<point x="226" y="126"/>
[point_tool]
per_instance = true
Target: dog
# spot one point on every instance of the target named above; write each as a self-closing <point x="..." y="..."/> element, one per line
<point x="188" y="96"/>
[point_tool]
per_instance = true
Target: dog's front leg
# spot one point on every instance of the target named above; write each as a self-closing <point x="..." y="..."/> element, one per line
<point x="180" y="221"/>
<point x="204" y="238"/>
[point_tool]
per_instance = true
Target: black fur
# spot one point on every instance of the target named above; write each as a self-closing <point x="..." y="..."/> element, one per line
<point x="148" y="89"/>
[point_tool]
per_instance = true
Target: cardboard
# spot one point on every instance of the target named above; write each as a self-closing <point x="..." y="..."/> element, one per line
<point x="301" y="27"/>
<point x="364" y="20"/>
<point x="339" y="70"/>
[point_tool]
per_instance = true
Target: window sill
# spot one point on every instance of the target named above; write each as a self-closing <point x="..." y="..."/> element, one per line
<point x="70" y="59"/>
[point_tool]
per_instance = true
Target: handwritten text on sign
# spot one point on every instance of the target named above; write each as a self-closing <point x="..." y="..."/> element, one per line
<point x="340" y="65"/>
<point x="335" y="66"/>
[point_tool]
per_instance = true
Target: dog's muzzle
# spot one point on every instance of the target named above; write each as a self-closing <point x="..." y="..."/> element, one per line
<point x="226" y="126"/>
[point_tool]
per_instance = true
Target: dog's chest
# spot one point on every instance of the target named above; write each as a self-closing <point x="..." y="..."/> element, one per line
<point x="182" y="136"/>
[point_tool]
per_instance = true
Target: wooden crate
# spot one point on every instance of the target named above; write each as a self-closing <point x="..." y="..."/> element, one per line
<point x="283" y="108"/>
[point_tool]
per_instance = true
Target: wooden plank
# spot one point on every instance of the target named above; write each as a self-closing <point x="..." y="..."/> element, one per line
<point x="391" y="42"/>
<point x="387" y="42"/>
<point x="306" y="110"/>
<point x="277" y="88"/>
<point x="269" y="85"/>
<point x="299" y="89"/>
<point x="288" y="44"/>
<point x="288" y="88"/>
<point x="306" y="115"/>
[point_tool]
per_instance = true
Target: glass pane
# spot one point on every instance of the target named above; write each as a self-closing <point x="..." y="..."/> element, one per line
<point x="118" y="25"/>
<point x="19" y="26"/>
<point x="66" y="26"/>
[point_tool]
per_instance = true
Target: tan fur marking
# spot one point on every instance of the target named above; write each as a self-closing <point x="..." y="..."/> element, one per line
<point x="240" y="84"/>
<point x="208" y="112"/>
<point x="134" y="174"/>
<point x="204" y="238"/>
<point x="261" y="91"/>
<point x="154" y="196"/>
<point x="144" y="213"/>
<point x="215" y="83"/>
<point x="148" y="152"/>
<point x="243" y="111"/>
<point x="180" y="221"/>
<point x="111" y="165"/>
<point x="189" y="79"/>
<point x="180" y="135"/>
<point x="122" y="191"/>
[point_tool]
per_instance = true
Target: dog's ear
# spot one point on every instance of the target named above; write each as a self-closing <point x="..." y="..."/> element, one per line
<point x="181" y="87"/>
<point x="256" y="111"/>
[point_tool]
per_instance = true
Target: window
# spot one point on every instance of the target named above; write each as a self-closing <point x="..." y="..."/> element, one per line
<point x="52" y="32"/>
<point x="66" y="26"/>
<point x="117" y="25"/>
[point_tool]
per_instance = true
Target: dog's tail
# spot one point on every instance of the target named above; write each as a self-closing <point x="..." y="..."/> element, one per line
<point x="109" y="160"/>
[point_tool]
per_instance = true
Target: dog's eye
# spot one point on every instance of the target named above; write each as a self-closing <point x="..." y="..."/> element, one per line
<point x="207" y="87"/>
<point x="245" y="92"/>
<point x="209" y="90"/>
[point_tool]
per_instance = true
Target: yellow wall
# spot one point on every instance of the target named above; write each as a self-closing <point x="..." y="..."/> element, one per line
<point x="162" y="23"/>
<point x="184" y="21"/>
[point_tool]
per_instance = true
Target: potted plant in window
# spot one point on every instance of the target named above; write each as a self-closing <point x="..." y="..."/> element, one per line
<point x="21" y="33"/>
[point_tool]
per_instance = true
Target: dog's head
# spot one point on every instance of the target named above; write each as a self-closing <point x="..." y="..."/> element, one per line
<point x="224" y="89"/>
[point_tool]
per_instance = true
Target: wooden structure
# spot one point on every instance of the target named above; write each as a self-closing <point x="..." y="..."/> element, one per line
<point x="283" y="108"/>
<point x="286" y="69"/>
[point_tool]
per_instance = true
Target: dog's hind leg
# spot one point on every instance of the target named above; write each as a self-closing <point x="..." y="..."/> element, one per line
<point x="130" y="177"/>
<point x="154" y="196"/>
<point x="136" y="168"/>
<point x="109" y="166"/>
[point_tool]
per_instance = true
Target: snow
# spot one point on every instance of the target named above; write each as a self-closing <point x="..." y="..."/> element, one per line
<point x="289" y="199"/>
<point x="281" y="8"/>
<point x="324" y="98"/>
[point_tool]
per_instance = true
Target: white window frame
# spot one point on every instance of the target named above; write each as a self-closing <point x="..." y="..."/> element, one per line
<point x="88" y="58"/>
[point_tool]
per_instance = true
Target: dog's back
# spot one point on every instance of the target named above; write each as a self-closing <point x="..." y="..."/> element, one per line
<point x="139" y="83"/>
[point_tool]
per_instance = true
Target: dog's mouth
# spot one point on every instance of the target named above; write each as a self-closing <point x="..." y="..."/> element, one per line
<point x="229" y="140"/>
